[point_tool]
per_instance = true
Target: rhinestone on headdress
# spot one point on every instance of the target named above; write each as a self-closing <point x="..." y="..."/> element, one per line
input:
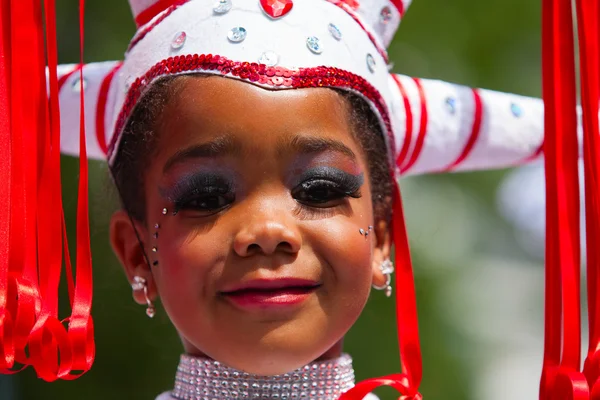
<point x="276" y="8"/>
<point x="385" y="15"/>
<point x="269" y="58"/>
<point x="516" y="110"/>
<point x="335" y="32"/>
<point x="237" y="34"/>
<point x="314" y="44"/>
<point x="451" y="105"/>
<point x="178" y="40"/>
<point x="165" y="211"/>
<point x="222" y="6"/>
<point x="77" y="85"/>
<point x="371" y="62"/>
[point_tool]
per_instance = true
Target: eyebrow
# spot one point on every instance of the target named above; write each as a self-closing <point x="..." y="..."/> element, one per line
<point x="226" y="145"/>
<point x="219" y="147"/>
<point x="311" y="144"/>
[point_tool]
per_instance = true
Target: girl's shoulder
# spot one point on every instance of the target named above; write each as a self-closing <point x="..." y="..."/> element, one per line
<point x="167" y="396"/>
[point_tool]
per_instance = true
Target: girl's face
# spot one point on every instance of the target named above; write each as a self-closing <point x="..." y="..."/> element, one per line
<point x="260" y="260"/>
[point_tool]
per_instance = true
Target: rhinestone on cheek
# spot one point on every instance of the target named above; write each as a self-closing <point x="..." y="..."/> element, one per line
<point x="237" y="34"/>
<point x="314" y="44"/>
<point x="178" y="40"/>
<point x="335" y="32"/>
<point x="222" y="6"/>
<point x="385" y="15"/>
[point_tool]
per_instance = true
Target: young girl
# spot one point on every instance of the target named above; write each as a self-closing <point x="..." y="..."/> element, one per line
<point x="255" y="146"/>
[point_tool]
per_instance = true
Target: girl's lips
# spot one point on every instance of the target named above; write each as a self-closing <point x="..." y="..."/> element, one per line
<point x="265" y="294"/>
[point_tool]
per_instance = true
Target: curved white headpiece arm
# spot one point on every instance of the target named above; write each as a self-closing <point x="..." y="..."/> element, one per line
<point x="457" y="128"/>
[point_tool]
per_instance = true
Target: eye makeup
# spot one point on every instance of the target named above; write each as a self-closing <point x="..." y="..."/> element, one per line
<point x="330" y="178"/>
<point x="203" y="191"/>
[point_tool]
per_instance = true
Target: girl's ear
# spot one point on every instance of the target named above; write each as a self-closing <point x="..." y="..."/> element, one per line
<point x="130" y="252"/>
<point x="382" y="251"/>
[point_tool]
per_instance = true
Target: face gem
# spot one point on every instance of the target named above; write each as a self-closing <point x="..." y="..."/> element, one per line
<point x="276" y="8"/>
<point x="178" y="40"/>
<point x="222" y="6"/>
<point x="237" y="34"/>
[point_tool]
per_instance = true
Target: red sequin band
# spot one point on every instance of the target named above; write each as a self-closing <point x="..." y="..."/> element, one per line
<point x="253" y="72"/>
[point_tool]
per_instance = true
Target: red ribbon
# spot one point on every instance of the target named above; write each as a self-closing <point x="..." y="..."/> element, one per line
<point x="406" y="383"/>
<point x="561" y="376"/>
<point x="32" y="219"/>
<point x="588" y="27"/>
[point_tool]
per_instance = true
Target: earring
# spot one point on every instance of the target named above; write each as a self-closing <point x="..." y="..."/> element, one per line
<point x="387" y="268"/>
<point x="139" y="283"/>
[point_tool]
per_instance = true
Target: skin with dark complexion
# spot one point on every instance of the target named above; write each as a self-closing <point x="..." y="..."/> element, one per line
<point x="262" y="267"/>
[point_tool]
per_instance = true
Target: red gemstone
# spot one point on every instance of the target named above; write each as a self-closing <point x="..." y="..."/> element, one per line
<point x="276" y="8"/>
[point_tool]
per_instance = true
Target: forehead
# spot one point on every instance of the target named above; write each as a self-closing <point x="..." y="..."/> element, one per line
<point x="204" y="107"/>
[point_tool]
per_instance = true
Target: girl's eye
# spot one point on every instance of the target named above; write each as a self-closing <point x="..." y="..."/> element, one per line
<point x="322" y="193"/>
<point x="206" y="202"/>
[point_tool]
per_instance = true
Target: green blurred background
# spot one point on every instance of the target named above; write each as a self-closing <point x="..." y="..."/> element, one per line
<point x="479" y="293"/>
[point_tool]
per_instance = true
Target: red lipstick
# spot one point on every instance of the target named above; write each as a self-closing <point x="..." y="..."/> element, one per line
<point x="270" y="293"/>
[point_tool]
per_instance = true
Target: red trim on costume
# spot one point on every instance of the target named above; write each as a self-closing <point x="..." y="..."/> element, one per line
<point x="344" y="6"/>
<point x="409" y="121"/>
<point x="399" y="4"/>
<point x="146" y="15"/>
<point x="475" y="131"/>
<point x="253" y="72"/>
<point x="101" y="108"/>
<point x="174" y="5"/>
<point x="422" y="129"/>
<point x="63" y="79"/>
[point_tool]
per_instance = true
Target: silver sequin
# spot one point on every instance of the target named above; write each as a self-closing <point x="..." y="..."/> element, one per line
<point x="178" y="40"/>
<point x="371" y="62"/>
<point x="314" y="44"/>
<point x="269" y="58"/>
<point x="237" y="34"/>
<point x="222" y="6"/>
<point x="335" y="32"/>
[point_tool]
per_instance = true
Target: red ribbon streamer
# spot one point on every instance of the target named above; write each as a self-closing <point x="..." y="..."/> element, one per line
<point x="561" y="378"/>
<point x="588" y="28"/>
<point x="407" y="383"/>
<point x="32" y="219"/>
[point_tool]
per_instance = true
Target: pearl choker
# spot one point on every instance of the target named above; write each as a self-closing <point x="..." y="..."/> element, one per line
<point x="204" y="379"/>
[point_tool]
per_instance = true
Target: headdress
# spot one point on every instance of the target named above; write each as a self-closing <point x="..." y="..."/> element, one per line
<point x="430" y="126"/>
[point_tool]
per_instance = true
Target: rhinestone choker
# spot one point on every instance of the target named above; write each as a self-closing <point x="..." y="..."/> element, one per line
<point x="203" y="379"/>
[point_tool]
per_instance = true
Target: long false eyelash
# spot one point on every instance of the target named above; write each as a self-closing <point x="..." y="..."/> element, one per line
<point x="346" y="183"/>
<point x="192" y="186"/>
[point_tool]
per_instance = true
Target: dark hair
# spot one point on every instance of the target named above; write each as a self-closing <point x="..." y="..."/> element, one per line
<point x="138" y="145"/>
